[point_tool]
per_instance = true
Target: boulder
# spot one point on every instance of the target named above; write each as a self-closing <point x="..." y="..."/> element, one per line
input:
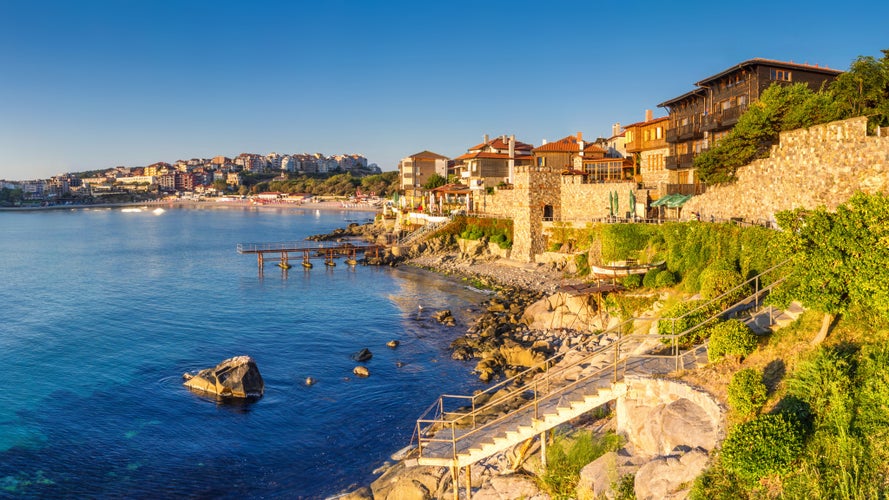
<point x="363" y="493"/>
<point x="403" y="483"/>
<point x="670" y="477"/>
<point x="510" y="487"/>
<point x="236" y="377"/>
<point x="660" y="429"/>
<point x="362" y="355"/>
<point x="598" y="478"/>
<point x="361" y="371"/>
<point x="392" y="344"/>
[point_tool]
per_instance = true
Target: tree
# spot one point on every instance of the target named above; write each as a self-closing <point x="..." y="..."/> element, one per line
<point x="220" y="185"/>
<point x="864" y="90"/>
<point x="839" y="259"/>
<point x="435" y="180"/>
<point x="779" y="108"/>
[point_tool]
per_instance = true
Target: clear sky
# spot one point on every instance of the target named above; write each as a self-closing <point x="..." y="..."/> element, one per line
<point x="90" y="84"/>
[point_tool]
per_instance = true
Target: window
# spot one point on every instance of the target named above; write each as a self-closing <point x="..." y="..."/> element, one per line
<point x="782" y="75"/>
<point x="659" y="132"/>
<point x="541" y="161"/>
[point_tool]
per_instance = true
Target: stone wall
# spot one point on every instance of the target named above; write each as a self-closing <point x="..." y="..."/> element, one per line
<point x="584" y="202"/>
<point x="822" y="165"/>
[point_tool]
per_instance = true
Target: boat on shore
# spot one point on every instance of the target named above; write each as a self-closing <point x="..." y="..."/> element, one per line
<point x="623" y="268"/>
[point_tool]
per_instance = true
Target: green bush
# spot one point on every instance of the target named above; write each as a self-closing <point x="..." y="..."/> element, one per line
<point x="632" y="281"/>
<point x="730" y="338"/>
<point x="664" y="279"/>
<point x="717" y="280"/>
<point x="564" y="461"/>
<point x="497" y="231"/>
<point x="649" y="281"/>
<point x="765" y="445"/>
<point x="687" y="314"/>
<point x="583" y="265"/>
<point x="746" y="392"/>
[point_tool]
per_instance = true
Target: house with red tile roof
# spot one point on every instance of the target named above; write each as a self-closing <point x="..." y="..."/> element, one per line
<point x="493" y="162"/>
<point x="586" y="161"/>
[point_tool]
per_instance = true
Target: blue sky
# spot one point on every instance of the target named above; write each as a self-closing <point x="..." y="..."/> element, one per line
<point x="94" y="84"/>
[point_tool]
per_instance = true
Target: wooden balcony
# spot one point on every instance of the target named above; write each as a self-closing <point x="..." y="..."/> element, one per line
<point x="672" y="135"/>
<point x="690" y="131"/>
<point x="723" y="119"/>
<point x="679" y="162"/>
<point x="686" y="189"/>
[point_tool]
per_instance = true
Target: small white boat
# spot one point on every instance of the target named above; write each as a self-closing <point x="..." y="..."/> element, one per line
<point x="621" y="269"/>
<point x="131" y="210"/>
<point x="158" y="211"/>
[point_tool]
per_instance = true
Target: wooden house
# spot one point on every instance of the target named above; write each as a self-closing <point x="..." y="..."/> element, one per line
<point x="699" y="118"/>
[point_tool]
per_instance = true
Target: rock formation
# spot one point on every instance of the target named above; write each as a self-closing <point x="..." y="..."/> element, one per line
<point x="237" y="377"/>
<point x="362" y="355"/>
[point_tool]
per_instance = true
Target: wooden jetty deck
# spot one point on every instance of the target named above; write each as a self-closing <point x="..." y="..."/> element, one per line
<point x="280" y="252"/>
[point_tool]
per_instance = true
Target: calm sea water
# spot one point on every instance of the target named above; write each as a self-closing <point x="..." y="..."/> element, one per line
<point x="101" y="311"/>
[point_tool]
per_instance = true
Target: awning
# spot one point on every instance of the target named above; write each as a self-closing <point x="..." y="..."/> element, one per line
<point x="671" y="200"/>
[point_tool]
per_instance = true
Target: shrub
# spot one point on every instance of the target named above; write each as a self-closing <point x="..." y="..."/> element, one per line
<point x="564" y="462"/>
<point x="746" y="392"/>
<point x="716" y="281"/>
<point x="650" y="277"/>
<point x="632" y="281"/>
<point x="687" y="314"/>
<point x="583" y="265"/>
<point x="664" y="279"/>
<point x="765" y="445"/>
<point x="730" y="338"/>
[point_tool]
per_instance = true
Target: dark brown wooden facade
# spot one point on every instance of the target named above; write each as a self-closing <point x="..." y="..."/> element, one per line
<point x="701" y="117"/>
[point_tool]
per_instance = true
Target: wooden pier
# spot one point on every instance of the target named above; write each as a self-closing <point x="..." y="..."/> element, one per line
<point x="280" y="253"/>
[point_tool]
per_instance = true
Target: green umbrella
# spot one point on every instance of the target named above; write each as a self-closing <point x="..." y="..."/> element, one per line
<point x="632" y="203"/>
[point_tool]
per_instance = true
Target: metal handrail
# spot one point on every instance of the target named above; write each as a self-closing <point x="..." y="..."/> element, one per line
<point x="552" y="370"/>
<point x="299" y="245"/>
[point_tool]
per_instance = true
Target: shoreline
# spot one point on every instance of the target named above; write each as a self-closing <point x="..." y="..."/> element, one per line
<point x="323" y="205"/>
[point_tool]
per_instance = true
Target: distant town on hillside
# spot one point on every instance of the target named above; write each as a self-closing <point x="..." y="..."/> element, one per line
<point x="187" y="178"/>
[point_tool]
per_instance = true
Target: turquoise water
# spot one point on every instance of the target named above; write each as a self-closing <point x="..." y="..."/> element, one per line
<point x="103" y="310"/>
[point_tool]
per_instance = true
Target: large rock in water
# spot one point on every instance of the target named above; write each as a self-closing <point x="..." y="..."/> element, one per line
<point x="236" y="377"/>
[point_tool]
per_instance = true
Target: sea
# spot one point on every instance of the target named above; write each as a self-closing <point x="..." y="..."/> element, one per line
<point x="103" y="309"/>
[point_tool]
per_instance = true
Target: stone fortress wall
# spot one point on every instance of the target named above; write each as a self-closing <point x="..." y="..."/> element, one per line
<point x="822" y="165"/>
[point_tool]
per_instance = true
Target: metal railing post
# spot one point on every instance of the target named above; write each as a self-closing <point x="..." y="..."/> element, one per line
<point x="454" y="438"/>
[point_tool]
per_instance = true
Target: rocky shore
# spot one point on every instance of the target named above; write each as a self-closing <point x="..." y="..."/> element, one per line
<point x="505" y="340"/>
<point x="536" y="312"/>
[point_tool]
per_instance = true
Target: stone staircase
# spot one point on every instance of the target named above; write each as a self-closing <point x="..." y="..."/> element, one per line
<point x="768" y="319"/>
<point x="416" y="235"/>
<point x="457" y="431"/>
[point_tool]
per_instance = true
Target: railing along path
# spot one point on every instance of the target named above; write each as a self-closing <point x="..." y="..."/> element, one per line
<point x="458" y="430"/>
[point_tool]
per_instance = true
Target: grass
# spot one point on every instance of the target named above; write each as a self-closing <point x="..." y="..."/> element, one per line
<point x="566" y="455"/>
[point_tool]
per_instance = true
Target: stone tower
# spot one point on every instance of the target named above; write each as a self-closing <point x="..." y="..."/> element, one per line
<point x="537" y="191"/>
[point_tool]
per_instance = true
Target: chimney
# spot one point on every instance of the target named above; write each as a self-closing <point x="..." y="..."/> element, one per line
<point x="511" y="146"/>
<point x="580" y="142"/>
<point x="486" y="139"/>
<point x="543" y="142"/>
<point x="615" y="129"/>
<point x="648" y="115"/>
